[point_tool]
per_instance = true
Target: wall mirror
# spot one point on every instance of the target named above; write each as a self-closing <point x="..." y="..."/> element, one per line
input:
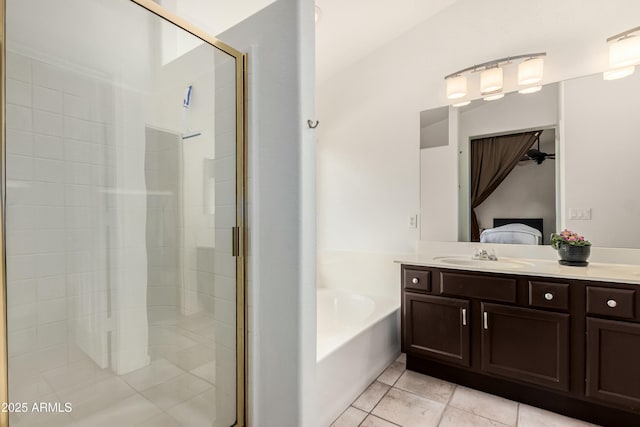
<point x="587" y="185"/>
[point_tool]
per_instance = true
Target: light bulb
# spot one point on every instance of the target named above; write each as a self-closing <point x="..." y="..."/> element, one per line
<point x="530" y="71"/>
<point x="491" y="80"/>
<point x="456" y="87"/>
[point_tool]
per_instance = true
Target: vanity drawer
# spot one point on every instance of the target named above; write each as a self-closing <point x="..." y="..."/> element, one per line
<point x="486" y="288"/>
<point x="419" y="280"/>
<point x="611" y="302"/>
<point x="549" y="295"/>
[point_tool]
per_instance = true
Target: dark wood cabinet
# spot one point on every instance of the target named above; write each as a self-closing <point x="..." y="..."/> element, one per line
<point x="613" y="362"/>
<point x="526" y="345"/>
<point x="437" y="327"/>
<point x="567" y="345"/>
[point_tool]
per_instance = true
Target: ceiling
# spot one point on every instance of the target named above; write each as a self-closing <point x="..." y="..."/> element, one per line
<point x="350" y="30"/>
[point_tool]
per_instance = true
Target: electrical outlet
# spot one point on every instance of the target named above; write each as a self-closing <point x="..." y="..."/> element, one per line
<point x="413" y="221"/>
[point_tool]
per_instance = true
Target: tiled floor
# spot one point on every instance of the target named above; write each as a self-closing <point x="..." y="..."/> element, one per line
<point x="409" y="399"/>
<point x="176" y="389"/>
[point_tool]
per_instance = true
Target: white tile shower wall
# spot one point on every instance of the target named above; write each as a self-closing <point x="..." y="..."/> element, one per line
<point x="57" y="240"/>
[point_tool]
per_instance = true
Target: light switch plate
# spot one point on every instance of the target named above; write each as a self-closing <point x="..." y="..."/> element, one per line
<point x="580" y="213"/>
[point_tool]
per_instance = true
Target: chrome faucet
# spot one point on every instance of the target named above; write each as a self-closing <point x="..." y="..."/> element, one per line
<point x="484" y="255"/>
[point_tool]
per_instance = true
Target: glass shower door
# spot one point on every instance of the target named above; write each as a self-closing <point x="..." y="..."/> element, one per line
<point x="121" y="173"/>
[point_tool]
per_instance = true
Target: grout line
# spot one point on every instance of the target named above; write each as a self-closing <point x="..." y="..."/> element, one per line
<point x="517" y="414"/>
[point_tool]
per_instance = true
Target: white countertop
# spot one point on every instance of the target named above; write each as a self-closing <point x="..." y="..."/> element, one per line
<point x="596" y="271"/>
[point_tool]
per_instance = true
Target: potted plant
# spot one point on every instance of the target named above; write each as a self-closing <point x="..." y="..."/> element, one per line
<point x="572" y="248"/>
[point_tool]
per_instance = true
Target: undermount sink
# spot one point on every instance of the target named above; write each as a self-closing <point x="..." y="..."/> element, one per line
<point x="469" y="262"/>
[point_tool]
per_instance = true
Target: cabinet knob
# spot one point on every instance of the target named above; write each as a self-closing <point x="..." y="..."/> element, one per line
<point x="612" y="303"/>
<point x="548" y="296"/>
<point x="415" y="280"/>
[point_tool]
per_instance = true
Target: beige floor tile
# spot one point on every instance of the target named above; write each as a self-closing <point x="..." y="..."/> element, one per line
<point x="207" y="372"/>
<point x="408" y="410"/>
<point x="426" y="386"/>
<point x="373" y="421"/>
<point x="192" y="357"/>
<point x="454" y="417"/>
<point x="128" y="412"/>
<point x="486" y="405"/>
<point x="402" y="358"/>
<point x="83" y="373"/>
<point x="161" y="420"/>
<point x="352" y="417"/>
<point x="92" y="398"/>
<point x="529" y="416"/>
<point x="392" y="373"/>
<point x="175" y="391"/>
<point x="157" y="372"/>
<point x="371" y="396"/>
<point x="197" y="412"/>
<point x="32" y="419"/>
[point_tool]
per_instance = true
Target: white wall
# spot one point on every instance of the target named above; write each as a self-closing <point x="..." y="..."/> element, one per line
<point x="529" y="191"/>
<point x="602" y="161"/>
<point x="369" y="113"/>
<point x="282" y="286"/>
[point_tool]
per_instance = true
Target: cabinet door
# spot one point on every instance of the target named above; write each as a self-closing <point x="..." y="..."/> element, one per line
<point x="613" y="353"/>
<point x="526" y="345"/>
<point x="437" y="327"/>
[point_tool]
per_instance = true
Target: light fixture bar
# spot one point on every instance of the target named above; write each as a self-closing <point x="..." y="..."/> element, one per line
<point x="497" y="62"/>
<point x="623" y="34"/>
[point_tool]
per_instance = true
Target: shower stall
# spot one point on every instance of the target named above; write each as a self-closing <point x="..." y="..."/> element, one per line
<point x="123" y="165"/>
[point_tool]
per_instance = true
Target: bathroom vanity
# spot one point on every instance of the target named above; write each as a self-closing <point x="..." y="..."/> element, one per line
<point x="567" y="344"/>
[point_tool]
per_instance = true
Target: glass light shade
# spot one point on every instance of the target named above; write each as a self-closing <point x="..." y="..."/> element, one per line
<point x="625" y="52"/>
<point x="461" y="104"/>
<point x="456" y="87"/>
<point x="491" y="80"/>
<point x="494" y="96"/>
<point x="532" y="89"/>
<point x="618" y="73"/>
<point x="530" y="71"/>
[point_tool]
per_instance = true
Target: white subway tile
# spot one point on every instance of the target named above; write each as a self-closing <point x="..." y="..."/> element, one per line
<point x="50" y="264"/>
<point x="77" y="262"/>
<point x="52" y="311"/>
<point x="19" y="142"/>
<point x="79" y="85"/>
<point x="47" y="99"/>
<point x="20" y="292"/>
<point x="20" y="267"/>
<point x="22" y="242"/>
<point x="77" y="217"/>
<point x="19" y="192"/>
<point x="79" y="195"/>
<point x="79" y="173"/>
<point x="20" y="118"/>
<point x="48" y="194"/>
<point x="52" y="334"/>
<point x="225" y="264"/>
<point x="22" y="342"/>
<point x="51" y="287"/>
<point x="76" y="106"/>
<point x="19" y="167"/>
<point x="20" y="317"/>
<point x="49" y="170"/>
<point x="47" y="123"/>
<point x="51" y="217"/>
<point x="78" y="151"/>
<point x="224" y="311"/>
<point x="48" y="147"/>
<point x="225" y="193"/>
<point x="18" y="67"/>
<point x="47" y="75"/>
<point x="18" y="92"/>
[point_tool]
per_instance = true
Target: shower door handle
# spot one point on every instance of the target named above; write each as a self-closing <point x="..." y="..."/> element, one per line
<point x="235" y="241"/>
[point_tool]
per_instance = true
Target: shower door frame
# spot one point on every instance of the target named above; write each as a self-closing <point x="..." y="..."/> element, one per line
<point x="239" y="231"/>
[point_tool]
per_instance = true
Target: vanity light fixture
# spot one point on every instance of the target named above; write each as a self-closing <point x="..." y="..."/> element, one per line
<point x="492" y="76"/>
<point x="624" y="54"/>
<point x="461" y="104"/>
<point x="456" y="87"/>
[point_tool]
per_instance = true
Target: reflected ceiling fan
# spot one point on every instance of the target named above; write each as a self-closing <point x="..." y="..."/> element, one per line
<point x="536" y="155"/>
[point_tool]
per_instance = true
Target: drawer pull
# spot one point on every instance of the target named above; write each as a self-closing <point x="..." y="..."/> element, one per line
<point x="548" y="296"/>
<point x="485" y="320"/>
<point x="612" y="303"/>
<point x="415" y="280"/>
<point x="464" y="317"/>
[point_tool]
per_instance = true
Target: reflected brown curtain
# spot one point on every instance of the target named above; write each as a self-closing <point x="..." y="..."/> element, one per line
<point x="492" y="159"/>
